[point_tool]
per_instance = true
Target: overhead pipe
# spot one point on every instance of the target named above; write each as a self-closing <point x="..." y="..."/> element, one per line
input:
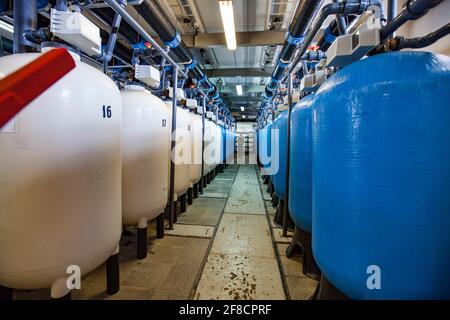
<point x="413" y="10"/>
<point x="346" y="8"/>
<point x="154" y="16"/>
<point x="25" y="20"/>
<point x="107" y="53"/>
<point x="400" y="43"/>
<point x="341" y="23"/>
<point x="305" y="12"/>
<point x="136" y="26"/>
<point x="107" y="15"/>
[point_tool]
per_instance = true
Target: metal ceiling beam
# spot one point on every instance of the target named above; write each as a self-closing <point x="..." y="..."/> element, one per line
<point x="236" y="72"/>
<point x="253" y="38"/>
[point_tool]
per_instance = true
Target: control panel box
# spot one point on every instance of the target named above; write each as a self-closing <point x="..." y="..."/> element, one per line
<point x="77" y="30"/>
<point x="191" y="103"/>
<point x="180" y="93"/>
<point x="312" y="82"/>
<point x="352" y="47"/>
<point x="147" y="74"/>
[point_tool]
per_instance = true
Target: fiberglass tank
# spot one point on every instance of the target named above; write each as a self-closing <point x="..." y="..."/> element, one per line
<point x="182" y="152"/>
<point x="381" y="177"/>
<point x="60" y="174"/>
<point x="209" y="146"/>
<point x="196" y="148"/>
<point x="279" y="129"/>
<point x="145" y="154"/>
<point x="300" y="168"/>
<point x="218" y="145"/>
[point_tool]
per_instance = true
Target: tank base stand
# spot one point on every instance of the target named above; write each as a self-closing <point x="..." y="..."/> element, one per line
<point x="112" y="274"/>
<point x="204" y="181"/>
<point x="270" y="188"/>
<point x="142" y="243"/>
<point x="208" y="178"/>
<point x="294" y="246"/>
<point x="275" y="201"/>
<point x="190" y="196"/>
<point x="310" y="267"/>
<point x="195" y="191"/>
<point x="183" y="203"/>
<point x="287" y="224"/>
<point x="175" y="211"/>
<point x="278" y="219"/>
<point x="327" y="291"/>
<point x="266" y="179"/>
<point x="6" y="293"/>
<point x="213" y="174"/>
<point x="160" y="226"/>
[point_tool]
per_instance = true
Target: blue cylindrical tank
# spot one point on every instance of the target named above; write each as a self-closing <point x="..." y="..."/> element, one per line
<point x="381" y="177"/>
<point x="224" y="145"/>
<point x="280" y="147"/>
<point x="300" y="169"/>
<point x="265" y="147"/>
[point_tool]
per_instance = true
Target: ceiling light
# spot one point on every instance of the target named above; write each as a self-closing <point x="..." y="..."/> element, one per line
<point x="243" y="116"/>
<point x="6" y="26"/>
<point x="242" y="109"/>
<point x="226" y="11"/>
<point x="239" y="89"/>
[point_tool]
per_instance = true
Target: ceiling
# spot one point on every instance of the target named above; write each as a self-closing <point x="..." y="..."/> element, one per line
<point x="203" y="17"/>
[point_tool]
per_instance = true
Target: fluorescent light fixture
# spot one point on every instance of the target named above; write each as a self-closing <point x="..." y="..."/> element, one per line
<point x="239" y="89"/>
<point x="242" y="109"/>
<point x="243" y="116"/>
<point x="6" y="26"/>
<point x="226" y="11"/>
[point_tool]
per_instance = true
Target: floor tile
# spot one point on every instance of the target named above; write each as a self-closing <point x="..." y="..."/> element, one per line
<point x="239" y="277"/>
<point x="247" y="235"/>
<point x="191" y="231"/>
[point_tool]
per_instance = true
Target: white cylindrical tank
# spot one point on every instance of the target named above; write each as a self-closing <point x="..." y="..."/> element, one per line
<point x="218" y="145"/>
<point x="196" y="148"/>
<point x="209" y="147"/>
<point x="145" y="154"/>
<point x="60" y="179"/>
<point x="182" y="152"/>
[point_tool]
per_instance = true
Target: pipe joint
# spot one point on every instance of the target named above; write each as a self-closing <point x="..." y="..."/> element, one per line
<point x="175" y="42"/>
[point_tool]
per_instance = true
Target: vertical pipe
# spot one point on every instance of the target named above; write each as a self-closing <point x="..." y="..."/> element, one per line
<point x="172" y="148"/>
<point x="108" y="53"/>
<point x="288" y="151"/>
<point x="25" y="19"/>
<point x="203" y="142"/>
<point x="391" y="13"/>
<point x="341" y="23"/>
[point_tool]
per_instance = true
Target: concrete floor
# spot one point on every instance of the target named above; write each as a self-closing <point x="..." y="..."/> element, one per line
<point x="224" y="247"/>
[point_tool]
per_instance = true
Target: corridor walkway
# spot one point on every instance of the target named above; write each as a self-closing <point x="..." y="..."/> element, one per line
<point x="242" y="263"/>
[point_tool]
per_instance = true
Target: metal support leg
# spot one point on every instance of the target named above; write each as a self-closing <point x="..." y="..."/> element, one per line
<point x="278" y="219"/>
<point x="288" y="224"/>
<point x="190" y="196"/>
<point x="275" y="200"/>
<point x="113" y="274"/>
<point x="142" y="243"/>
<point x="295" y="245"/>
<point x="160" y="226"/>
<point x="196" y="191"/>
<point x="175" y="211"/>
<point x="183" y="203"/>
